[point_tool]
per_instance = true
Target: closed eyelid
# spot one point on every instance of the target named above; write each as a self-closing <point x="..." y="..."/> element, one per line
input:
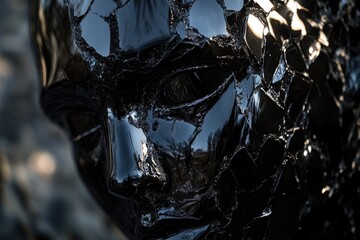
<point x="209" y="96"/>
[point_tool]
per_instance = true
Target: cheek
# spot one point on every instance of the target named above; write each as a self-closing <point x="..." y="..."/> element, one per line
<point x="165" y="133"/>
<point x="193" y="153"/>
<point x="217" y="122"/>
<point x="168" y="155"/>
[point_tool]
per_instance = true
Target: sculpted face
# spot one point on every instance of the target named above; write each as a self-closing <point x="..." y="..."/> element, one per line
<point x="170" y="126"/>
<point x="194" y="119"/>
<point x="166" y="118"/>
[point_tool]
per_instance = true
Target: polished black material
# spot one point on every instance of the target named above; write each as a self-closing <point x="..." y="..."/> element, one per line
<point x="212" y="119"/>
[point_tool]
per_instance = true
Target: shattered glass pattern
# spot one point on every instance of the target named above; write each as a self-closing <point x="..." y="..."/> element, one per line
<point x="215" y="119"/>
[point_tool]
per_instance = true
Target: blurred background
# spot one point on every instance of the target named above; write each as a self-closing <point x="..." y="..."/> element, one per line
<point x="41" y="194"/>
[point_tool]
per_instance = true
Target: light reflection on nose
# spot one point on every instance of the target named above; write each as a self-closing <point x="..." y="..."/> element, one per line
<point x="132" y="165"/>
<point x="125" y="142"/>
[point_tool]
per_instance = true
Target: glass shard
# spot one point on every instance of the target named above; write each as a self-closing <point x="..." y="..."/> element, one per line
<point x="294" y="58"/>
<point x="271" y="58"/>
<point x="100" y="41"/>
<point x="202" y="17"/>
<point x="254" y="35"/>
<point x="81" y="7"/>
<point x="103" y="7"/>
<point x="234" y="5"/>
<point x="143" y="23"/>
<point x="266" y="5"/>
<point x="278" y="26"/>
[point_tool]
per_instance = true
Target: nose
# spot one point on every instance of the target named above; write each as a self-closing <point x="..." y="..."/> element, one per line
<point x="131" y="165"/>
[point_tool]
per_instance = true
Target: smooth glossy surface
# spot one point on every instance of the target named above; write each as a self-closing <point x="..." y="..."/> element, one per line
<point x="207" y="18"/>
<point x="215" y="120"/>
<point x="142" y="23"/>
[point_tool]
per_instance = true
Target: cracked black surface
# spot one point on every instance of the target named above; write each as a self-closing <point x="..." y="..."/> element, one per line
<point x="211" y="119"/>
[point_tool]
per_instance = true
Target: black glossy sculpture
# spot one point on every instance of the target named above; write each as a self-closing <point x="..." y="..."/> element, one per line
<point x="210" y="119"/>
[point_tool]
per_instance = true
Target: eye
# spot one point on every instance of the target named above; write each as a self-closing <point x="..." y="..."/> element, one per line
<point x="190" y="86"/>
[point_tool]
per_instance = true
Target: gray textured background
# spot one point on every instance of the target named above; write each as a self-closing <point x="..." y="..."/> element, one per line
<point x="41" y="194"/>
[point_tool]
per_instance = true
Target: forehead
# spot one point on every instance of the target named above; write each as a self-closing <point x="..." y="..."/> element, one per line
<point x="131" y="25"/>
<point x="264" y="32"/>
